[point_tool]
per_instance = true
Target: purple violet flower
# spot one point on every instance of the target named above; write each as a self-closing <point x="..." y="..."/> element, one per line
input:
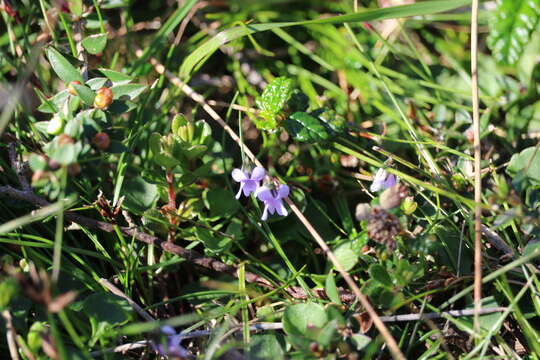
<point x="383" y="180"/>
<point x="172" y="346"/>
<point x="273" y="200"/>
<point x="248" y="183"/>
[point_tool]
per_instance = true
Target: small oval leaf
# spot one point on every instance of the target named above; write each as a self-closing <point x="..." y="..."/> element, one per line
<point x="62" y="67"/>
<point x="95" y="44"/>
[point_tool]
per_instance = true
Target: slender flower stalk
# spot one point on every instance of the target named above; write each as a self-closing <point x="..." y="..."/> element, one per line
<point x="248" y="182"/>
<point x="273" y="200"/>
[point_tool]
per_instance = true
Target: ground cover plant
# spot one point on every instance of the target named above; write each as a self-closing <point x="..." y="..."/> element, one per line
<point x="279" y="179"/>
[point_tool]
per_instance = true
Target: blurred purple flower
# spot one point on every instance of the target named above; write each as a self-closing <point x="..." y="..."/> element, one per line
<point x="273" y="200"/>
<point x="383" y="181"/>
<point x="172" y="346"/>
<point x="248" y="183"/>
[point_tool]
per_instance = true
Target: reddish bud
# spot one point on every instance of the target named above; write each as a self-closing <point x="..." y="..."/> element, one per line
<point x="103" y="99"/>
<point x="71" y="88"/>
<point x="54" y="165"/>
<point x="101" y="141"/>
<point x="74" y="169"/>
<point x="64" y="139"/>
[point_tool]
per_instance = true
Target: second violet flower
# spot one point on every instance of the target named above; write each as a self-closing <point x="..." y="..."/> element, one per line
<point x="273" y="200"/>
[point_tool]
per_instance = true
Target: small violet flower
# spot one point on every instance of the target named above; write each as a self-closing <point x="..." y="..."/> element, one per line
<point x="248" y="183"/>
<point x="383" y="181"/>
<point x="172" y="347"/>
<point x="273" y="200"/>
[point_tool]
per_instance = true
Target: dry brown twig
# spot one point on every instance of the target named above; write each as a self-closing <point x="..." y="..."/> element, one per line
<point x="189" y="255"/>
<point x="477" y="170"/>
<point x="390" y="341"/>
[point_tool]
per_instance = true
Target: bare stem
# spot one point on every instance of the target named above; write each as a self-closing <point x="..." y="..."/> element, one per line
<point x="477" y="170"/>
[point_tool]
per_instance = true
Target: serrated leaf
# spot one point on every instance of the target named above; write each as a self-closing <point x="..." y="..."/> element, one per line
<point x="115" y="76"/>
<point x="129" y="90"/>
<point x="85" y="93"/>
<point x="275" y="95"/>
<point x="511" y="28"/>
<point x="62" y="67"/>
<point x="305" y="128"/>
<point x="95" y="44"/>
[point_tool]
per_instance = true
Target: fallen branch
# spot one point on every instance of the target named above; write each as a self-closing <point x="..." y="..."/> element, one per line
<point x="189" y="255"/>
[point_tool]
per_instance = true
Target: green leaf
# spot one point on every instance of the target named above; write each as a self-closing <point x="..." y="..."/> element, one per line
<point x="37" y="162"/>
<point x="360" y="341"/>
<point x="298" y="317"/>
<point x="526" y="163"/>
<point x="97" y="83"/>
<point x="263" y="347"/>
<point x="331" y="288"/>
<point x="129" y="90"/>
<point x="55" y="103"/>
<point x="221" y="202"/>
<point x="35" y="335"/>
<point x="275" y="95"/>
<point x="305" y="128"/>
<point x="511" y="28"/>
<point x="8" y="290"/>
<point x="379" y="273"/>
<point x="76" y="7"/>
<point x="139" y="195"/>
<point x="346" y="256"/>
<point x="214" y="243"/>
<point x="64" y="154"/>
<point x="107" y="308"/>
<point x="115" y="76"/>
<point x="95" y="44"/>
<point x="85" y="93"/>
<point x="74" y="127"/>
<point x="204" y="51"/>
<point x="62" y="67"/>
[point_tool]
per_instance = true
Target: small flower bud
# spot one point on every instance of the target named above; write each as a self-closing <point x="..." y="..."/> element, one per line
<point x="362" y="211"/>
<point x="392" y="196"/>
<point x="101" y="141"/>
<point x="56" y="125"/>
<point x="64" y="139"/>
<point x="71" y="88"/>
<point x="74" y="169"/>
<point x="409" y="205"/>
<point x="103" y="99"/>
<point x="54" y="165"/>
